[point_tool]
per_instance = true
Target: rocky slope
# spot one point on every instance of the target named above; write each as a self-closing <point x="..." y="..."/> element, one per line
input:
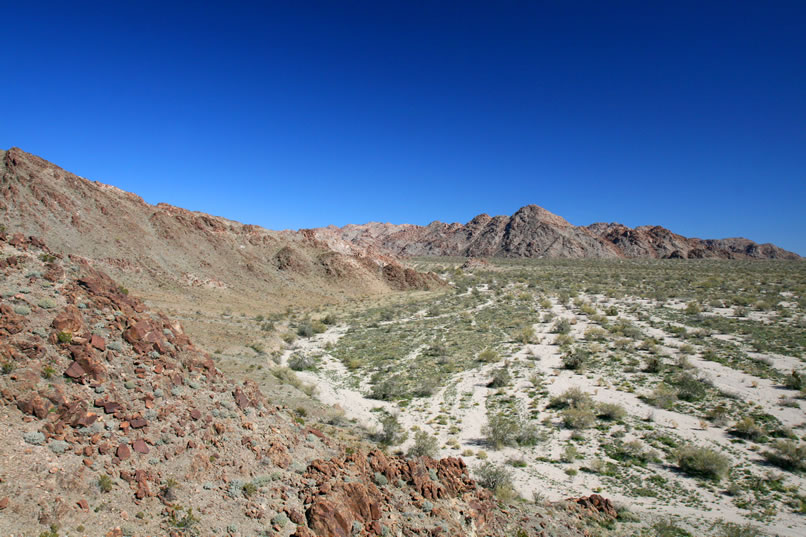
<point x="165" y="250"/>
<point x="534" y="232"/>
<point x="115" y="424"/>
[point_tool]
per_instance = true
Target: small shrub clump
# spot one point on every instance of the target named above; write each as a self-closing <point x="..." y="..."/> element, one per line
<point x="702" y="462"/>
<point x="425" y="445"/>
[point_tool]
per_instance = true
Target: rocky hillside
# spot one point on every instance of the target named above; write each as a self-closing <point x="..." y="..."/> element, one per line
<point x="165" y="251"/>
<point x="536" y="233"/>
<point x="115" y="424"/>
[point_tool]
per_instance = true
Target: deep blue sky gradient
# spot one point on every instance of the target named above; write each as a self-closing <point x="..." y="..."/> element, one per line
<point x="691" y="115"/>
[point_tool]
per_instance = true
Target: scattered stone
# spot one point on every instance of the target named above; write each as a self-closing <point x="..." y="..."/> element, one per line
<point x="123" y="452"/>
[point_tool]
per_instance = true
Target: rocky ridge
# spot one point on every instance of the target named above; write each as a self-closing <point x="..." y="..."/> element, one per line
<point x="115" y="423"/>
<point x="162" y="249"/>
<point x="533" y="232"/>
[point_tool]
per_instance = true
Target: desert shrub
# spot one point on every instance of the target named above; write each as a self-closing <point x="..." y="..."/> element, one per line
<point x="719" y="415"/>
<point x="424" y="445"/>
<point x="631" y="452"/>
<point x="572" y="397"/>
<point x="794" y="381"/>
<point x="501" y="430"/>
<point x="509" y="429"/>
<point x="563" y="326"/>
<point x="747" y="428"/>
<point x="104" y="483"/>
<point x="690" y="387"/>
<point x="64" y="337"/>
<point x="578" y="418"/>
<point x="249" y="489"/>
<point x="300" y="362"/>
<point x="692" y="308"/>
<point x="491" y="476"/>
<point x="576" y="359"/>
<point x="611" y="311"/>
<point x="425" y="386"/>
<point x="391" y="433"/>
<point x="525" y="335"/>
<point x="654" y="364"/>
<point x="732" y="529"/>
<point x="388" y="389"/>
<point x="669" y="528"/>
<point x="610" y="411"/>
<point x="287" y="376"/>
<point x="663" y="396"/>
<point x="501" y="378"/>
<point x="305" y="330"/>
<point x="702" y="462"/>
<point x="564" y="340"/>
<point x="787" y="454"/>
<point x="488" y="355"/>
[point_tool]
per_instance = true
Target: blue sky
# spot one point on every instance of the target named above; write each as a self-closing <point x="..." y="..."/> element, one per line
<point x="690" y="115"/>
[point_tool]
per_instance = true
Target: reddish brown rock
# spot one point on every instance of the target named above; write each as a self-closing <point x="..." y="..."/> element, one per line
<point x="54" y="272"/>
<point x="98" y="342"/>
<point x="10" y="322"/>
<point x="3" y="503"/>
<point x="596" y="503"/>
<point x="75" y="371"/>
<point x="85" y="355"/>
<point x="110" y="407"/>
<point x="69" y="320"/>
<point x="141" y="447"/>
<point x="138" y="423"/>
<point x="123" y="452"/>
<point x="35" y="406"/>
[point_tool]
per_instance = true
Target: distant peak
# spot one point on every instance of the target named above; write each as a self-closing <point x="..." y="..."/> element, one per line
<point x="535" y="212"/>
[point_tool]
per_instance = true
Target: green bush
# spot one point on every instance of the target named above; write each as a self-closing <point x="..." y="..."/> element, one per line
<point x="563" y="326"/>
<point x="794" y="381"/>
<point x="610" y="411"/>
<point x="663" y="396"/>
<point x="501" y="378"/>
<point x="576" y="359"/>
<point x="64" y="337"/>
<point x="388" y="389"/>
<point x="299" y="362"/>
<point x="572" y="397"/>
<point x="492" y="476"/>
<point x="391" y="433"/>
<point x="509" y="429"/>
<point x="104" y="483"/>
<point x="424" y="445"/>
<point x="747" y="428"/>
<point x="702" y="462"/>
<point x="488" y="355"/>
<point x="787" y="454"/>
<point x="578" y="418"/>
<point x="690" y="387"/>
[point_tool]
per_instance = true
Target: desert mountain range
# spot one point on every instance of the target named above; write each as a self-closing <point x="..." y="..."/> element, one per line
<point x="160" y="249"/>
<point x="534" y="232"/>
